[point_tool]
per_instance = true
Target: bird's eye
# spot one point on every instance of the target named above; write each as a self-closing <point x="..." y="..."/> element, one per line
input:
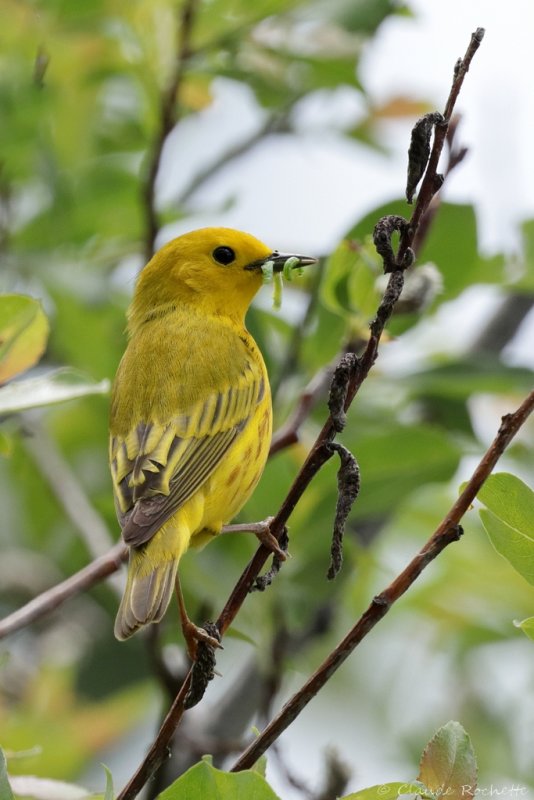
<point x="224" y="255"/>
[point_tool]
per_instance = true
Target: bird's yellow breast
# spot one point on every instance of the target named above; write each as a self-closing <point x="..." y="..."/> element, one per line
<point x="191" y="391"/>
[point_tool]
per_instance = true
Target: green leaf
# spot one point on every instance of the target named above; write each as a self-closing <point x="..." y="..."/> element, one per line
<point x="448" y="765"/>
<point x="203" y="781"/>
<point x="364" y="16"/>
<point x="508" y="520"/>
<point x="515" y="547"/>
<point x="527" y="626"/>
<point x="23" y="334"/>
<point x="510" y="499"/>
<point x="349" y="284"/>
<point x="388" y="791"/>
<point x="241" y="636"/>
<point x="109" y="793"/>
<point x="459" y="380"/>
<point x="55" y="387"/>
<point x="5" y="788"/>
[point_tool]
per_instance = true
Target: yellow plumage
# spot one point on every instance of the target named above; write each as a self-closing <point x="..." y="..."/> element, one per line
<point x="190" y="422"/>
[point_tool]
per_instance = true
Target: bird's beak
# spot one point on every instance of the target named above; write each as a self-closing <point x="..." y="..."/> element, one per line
<point x="279" y="260"/>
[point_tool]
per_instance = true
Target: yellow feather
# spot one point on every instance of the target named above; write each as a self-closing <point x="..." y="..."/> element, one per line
<point x="190" y="422"/>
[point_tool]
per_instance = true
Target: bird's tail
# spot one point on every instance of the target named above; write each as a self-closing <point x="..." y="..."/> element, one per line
<point x="151" y="578"/>
<point x="146" y="595"/>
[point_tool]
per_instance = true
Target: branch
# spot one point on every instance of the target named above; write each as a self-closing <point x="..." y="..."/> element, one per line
<point x="168" y="117"/>
<point x="456" y="155"/>
<point x="50" y="600"/>
<point x="448" y="531"/>
<point x="432" y="182"/>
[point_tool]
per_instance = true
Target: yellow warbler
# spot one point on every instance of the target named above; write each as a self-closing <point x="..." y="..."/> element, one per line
<point x="190" y="423"/>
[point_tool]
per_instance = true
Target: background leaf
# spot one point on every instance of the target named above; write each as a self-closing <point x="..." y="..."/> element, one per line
<point x="448" y="765"/>
<point x="527" y="626"/>
<point x="5" y="788"/>
<point x="387" y="791"/>
<point x="203" y="780"/>
<point x="55" y="387"/>
<point x="23" y="334"/>
<point x="508" y="520"/>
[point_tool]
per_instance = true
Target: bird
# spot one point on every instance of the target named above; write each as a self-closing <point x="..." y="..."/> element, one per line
<point x="191" y="416"/>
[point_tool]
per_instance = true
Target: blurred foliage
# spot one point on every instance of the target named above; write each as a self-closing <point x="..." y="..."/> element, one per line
<point x="81" y="88"/>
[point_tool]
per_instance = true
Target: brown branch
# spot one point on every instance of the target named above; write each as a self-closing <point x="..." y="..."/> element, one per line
<point x="456" y="155"/>
<point x="168" y="117"/>
<point x="448" y="531"/>
<point x="48" y="601"/>
<point x="431" y="182"/>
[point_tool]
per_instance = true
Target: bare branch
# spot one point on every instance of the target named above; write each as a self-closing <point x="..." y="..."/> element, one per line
<point x="430" y="183"/>
<point x="448" y="531"/>
<point x="50" y="600"/>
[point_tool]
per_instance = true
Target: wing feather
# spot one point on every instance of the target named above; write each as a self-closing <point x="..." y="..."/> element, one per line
<point x="158" y="466"/>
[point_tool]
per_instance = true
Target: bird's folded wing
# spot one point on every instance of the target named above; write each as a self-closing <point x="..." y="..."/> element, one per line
<point x="158" y="466"/>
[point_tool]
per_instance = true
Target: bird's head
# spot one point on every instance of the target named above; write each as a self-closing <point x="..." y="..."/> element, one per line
<point x="218" y="270"/>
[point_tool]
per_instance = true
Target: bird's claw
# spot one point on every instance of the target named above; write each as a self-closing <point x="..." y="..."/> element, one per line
<point x="193" y="635"/>
<point x="263" y="532"/>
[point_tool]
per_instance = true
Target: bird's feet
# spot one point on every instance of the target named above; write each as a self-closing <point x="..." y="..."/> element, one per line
<point x="193" y="635"/>
<point x="263" y="532"/>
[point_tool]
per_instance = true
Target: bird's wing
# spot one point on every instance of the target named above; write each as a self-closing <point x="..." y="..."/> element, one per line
<point x="157" y="467"/>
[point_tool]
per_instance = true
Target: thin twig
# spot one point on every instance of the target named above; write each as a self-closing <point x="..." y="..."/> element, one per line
<point x="430" y="182"/>
<point x="48" y="601"/>
<point x="456" y="155"/>
<point x="289" y="433"/>
<point x="94" y="572"/>
<point x="447" y="532"/>
<point x="168" y="117"/>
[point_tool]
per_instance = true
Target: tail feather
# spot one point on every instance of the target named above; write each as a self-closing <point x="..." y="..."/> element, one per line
<point x="147" y="594"/>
